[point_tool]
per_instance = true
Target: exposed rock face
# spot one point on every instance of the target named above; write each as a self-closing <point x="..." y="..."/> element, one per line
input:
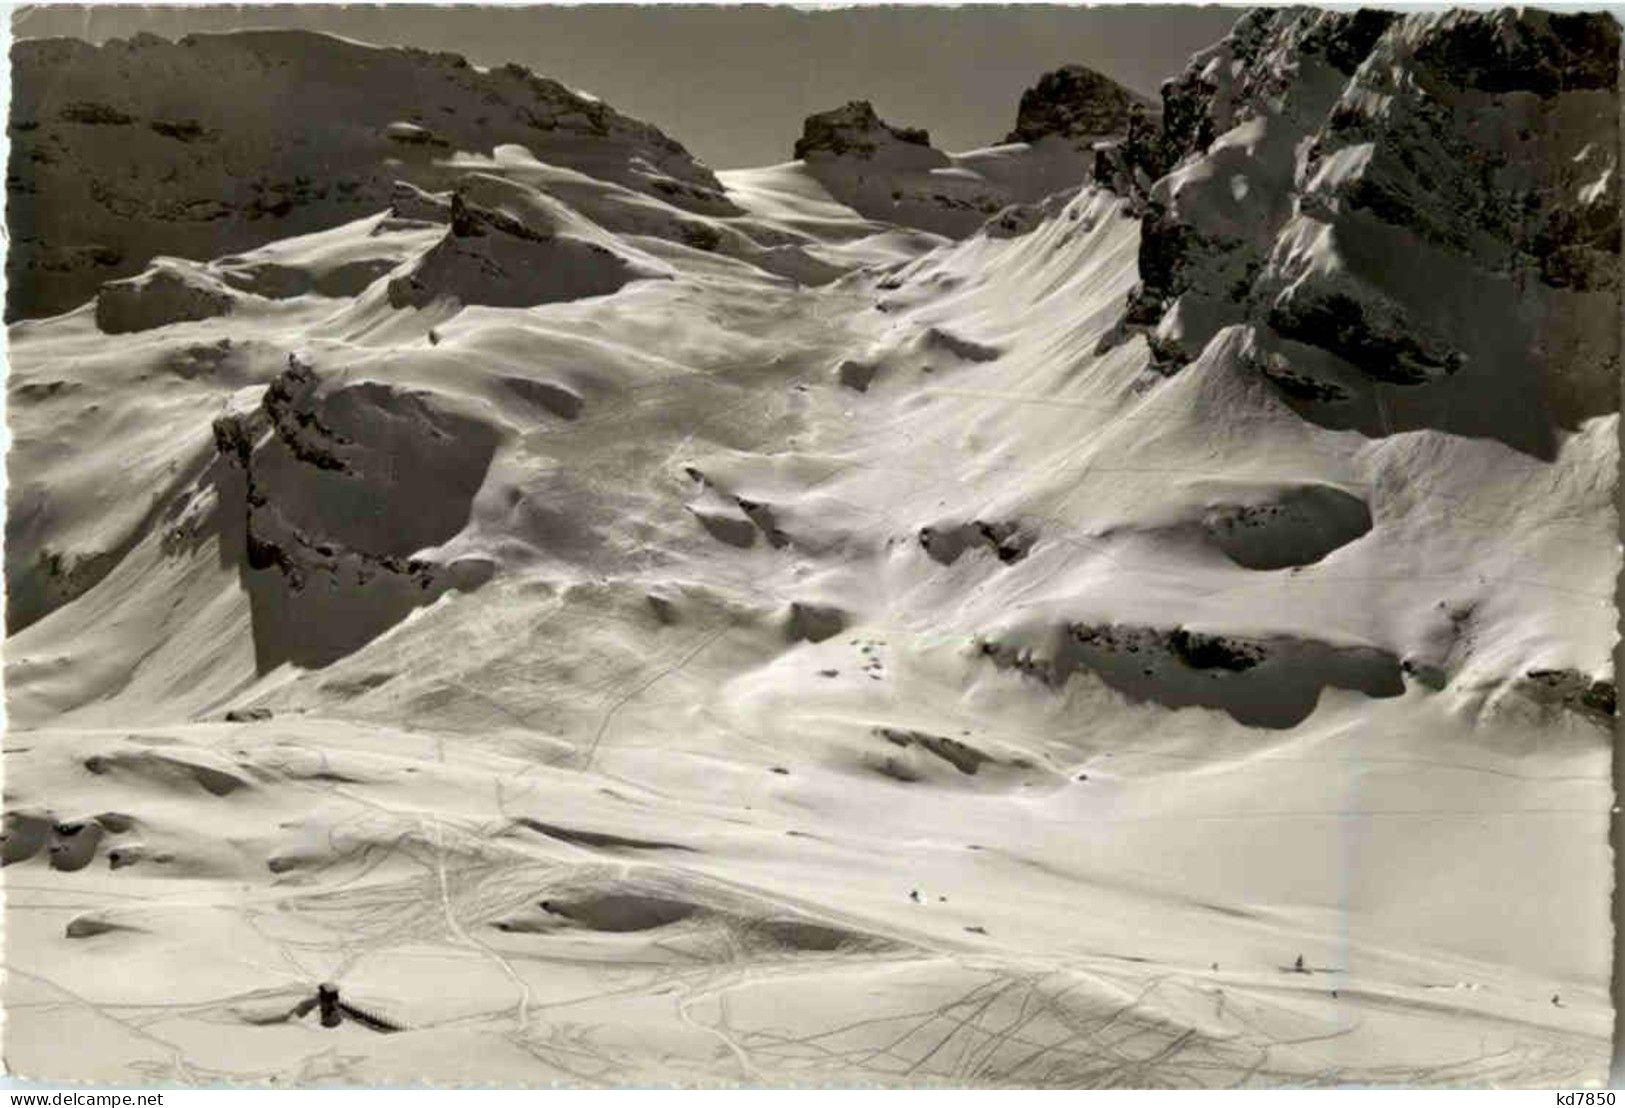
<point x="854" y="130"/>
<point x="341" y="490"/>
<point x="38" y="587"/>
<point x="172" y="291"/>
<point x="1077" y="104"/>
<point x="106" y="171"/>
<point x="1416" y="218"/>
<point x="1272" y="683"/>
<point x="407" y="201"/>
<point x="1573" y="691"/>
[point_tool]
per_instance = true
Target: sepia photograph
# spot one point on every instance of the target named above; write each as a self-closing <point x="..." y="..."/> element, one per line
<point x="995" y="547"/>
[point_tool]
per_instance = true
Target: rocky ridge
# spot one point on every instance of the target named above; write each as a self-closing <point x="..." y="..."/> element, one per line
<point x="115" y="160"/>
<point x="893" y="173"/>
<point x="1304" y="153"/>
<point x="854" y="130"/>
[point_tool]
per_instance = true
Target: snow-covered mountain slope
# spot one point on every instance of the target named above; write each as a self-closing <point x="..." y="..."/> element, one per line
<point x="116" y="157"/>
<point x="621" y="643"/>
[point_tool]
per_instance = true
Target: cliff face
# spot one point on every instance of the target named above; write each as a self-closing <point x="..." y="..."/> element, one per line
<point x="1416" y="219"/>
<point x="115" y="158"/>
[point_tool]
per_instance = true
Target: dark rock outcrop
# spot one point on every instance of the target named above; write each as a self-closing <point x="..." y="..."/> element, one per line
<point x="1271" y="683"/>
<point x="1573" y="691"/>
<point x="172" y="291"/>
<point x="854" y="130"/>
<point x="330" y="496"/>
<point x="1077" y="104"/>
<point x="1300" y="158"/>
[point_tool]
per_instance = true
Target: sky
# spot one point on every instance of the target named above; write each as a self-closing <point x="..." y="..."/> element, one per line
<point x="733" y="84"/>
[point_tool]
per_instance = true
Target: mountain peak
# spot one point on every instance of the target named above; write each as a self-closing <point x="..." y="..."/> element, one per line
<point x="854" y="129"/>
<point x="1075" y="102"/>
